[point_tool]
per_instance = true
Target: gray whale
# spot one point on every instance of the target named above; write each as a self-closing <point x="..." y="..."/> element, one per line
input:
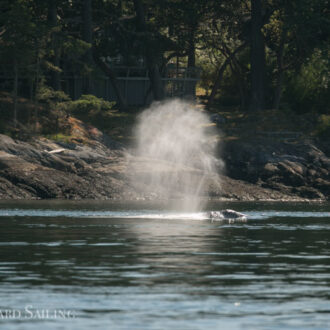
<point x="227" y="215"/>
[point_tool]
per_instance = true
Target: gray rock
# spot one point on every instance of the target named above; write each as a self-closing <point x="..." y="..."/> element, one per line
<point x="256" y="169"/>
<point x="280" y="166"/>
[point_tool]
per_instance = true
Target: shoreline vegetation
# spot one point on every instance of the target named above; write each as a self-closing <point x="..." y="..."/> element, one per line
<point x="265" y="160"/>
<point x="74" y="76"/>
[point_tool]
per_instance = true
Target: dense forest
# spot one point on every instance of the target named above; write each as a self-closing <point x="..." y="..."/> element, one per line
<point x="250" y="54"/>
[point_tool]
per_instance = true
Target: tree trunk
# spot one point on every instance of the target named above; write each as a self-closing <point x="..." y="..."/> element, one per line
<point x="192" y="58"/>
<point x="242" y="94"/>
<point x="36" y="100"/>
<point x="87" y="34"/>
<point x="237" y="68"/>
<point x="257" y="57"/>
<point x="107" y="70"/>
<point x="217" y="82"/>
<point x="280" y="71"/>
<point x="220" y="74"/>
<point x="149" y="53"/>
<point x="191" y="49"/>
<point x="15" y="90"/>
<point x="240" y="81"/>
<point x="52" y="18"/>
<point x="156" y="81"/>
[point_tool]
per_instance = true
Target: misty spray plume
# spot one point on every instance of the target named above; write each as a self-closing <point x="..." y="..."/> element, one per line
<point x="175" y="154"/>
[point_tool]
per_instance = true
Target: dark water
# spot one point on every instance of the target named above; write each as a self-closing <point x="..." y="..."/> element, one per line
<point x="110" y="266"/>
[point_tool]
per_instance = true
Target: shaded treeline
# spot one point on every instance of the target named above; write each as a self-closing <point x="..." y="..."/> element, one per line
<point x="255" y="54"/>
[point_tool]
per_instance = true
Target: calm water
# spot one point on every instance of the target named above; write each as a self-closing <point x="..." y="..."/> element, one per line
<point x="93" y="265"/>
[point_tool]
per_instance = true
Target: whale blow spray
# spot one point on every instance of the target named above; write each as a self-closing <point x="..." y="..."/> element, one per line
<point x="175" y="149"/>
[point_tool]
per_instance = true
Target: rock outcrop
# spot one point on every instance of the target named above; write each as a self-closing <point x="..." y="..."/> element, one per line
<point x="45" y="169"/>
<point x="98" y="169"/>
<point x="294" y="168"/>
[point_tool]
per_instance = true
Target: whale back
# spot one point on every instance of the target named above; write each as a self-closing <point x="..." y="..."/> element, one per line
<point x="226" y="215"/>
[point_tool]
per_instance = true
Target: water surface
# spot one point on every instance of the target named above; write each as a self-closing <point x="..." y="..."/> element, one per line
<point x="119" y="266"/>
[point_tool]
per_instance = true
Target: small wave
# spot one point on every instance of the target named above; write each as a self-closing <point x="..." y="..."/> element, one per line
<point x="103" y="214"/>
<point x="260" y="215"/>
<point x="156" y="215"/>
<point x="172" y="216"/>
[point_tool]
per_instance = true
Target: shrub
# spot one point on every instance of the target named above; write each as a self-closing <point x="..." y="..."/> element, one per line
<point x="89" y="106"/>
<point x="47" y="95"/>
<point x="323" y="127"/>
<point x="92" y="109"/>
<point x="53" y="110"/>
<point x="308" y="90"/>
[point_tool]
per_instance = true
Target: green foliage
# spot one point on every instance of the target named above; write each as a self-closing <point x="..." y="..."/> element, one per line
<point x="59" y="137"/>
<point x="323" y="127"/>
<point x="17" y="37"/>
<point x="54" y="109"/>
<point x="44" y="41"/>
<point x="309" y="89"/>
<point x="51" y="110"/>
<point x="91" y="109"/>
<point x="74" y="47"/>
<point x="56" y="106"/>
<point x="208" y="73"/>
<point x="90" y="105"/>
<point x="51" y="97"/>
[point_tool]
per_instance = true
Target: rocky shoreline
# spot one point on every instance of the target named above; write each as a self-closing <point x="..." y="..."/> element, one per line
<point x="256" y="170"/>
<point x="295" y="168"/>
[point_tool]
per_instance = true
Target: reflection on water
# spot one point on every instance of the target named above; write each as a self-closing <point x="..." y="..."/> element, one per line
<point x="118" y="269"/>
